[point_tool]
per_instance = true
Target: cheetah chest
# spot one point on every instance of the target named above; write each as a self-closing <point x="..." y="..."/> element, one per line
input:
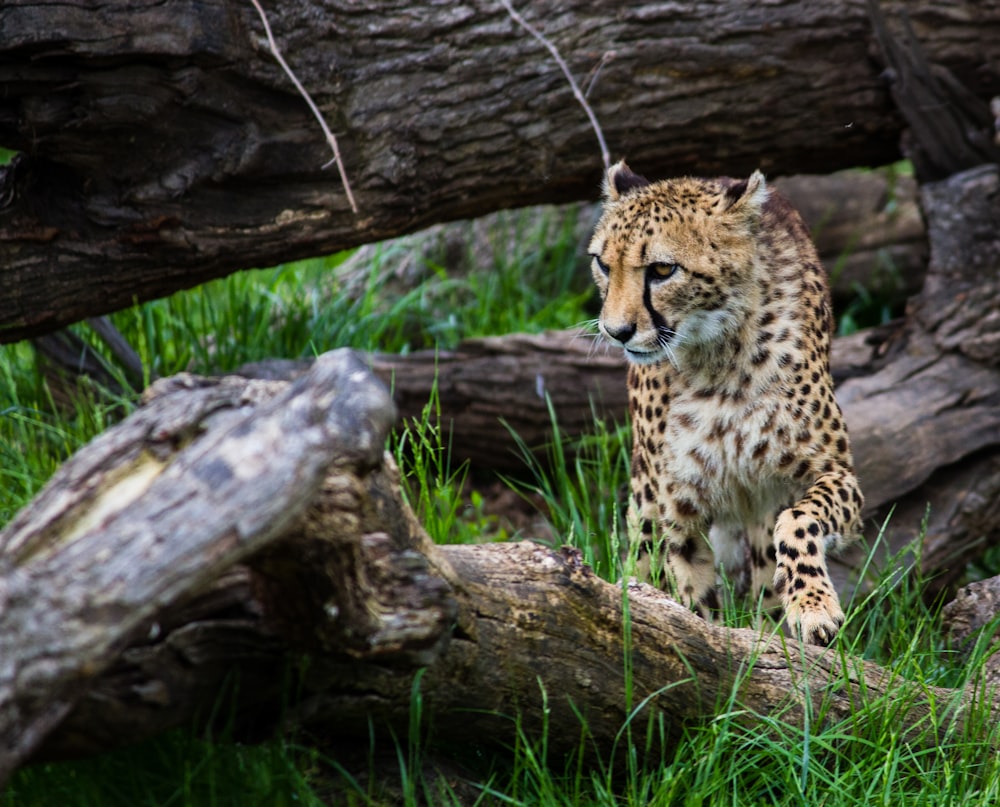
<point x="730" y="458"/>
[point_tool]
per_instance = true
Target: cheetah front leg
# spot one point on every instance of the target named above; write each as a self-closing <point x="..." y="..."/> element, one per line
<point x="828" y="515"/>
<point x="668" y="533"/>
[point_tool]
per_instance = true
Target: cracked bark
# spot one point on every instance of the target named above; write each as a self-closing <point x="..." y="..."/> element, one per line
<point x="317" y="569"/>
<point x="925" y="422"/>
<point x="161" y="146"/>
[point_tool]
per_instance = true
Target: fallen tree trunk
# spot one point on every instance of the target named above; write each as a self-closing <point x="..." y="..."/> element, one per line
<point x="161" y="145"/>
<point x="98" y="553"/>
<point x="230" y="574"/>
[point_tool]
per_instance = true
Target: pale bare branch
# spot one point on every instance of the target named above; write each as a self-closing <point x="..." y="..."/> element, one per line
<point x="605" y="156"/>
<point x="312" y="106"/>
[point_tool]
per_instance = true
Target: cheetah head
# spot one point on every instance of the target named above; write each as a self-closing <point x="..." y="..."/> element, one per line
<point x="675" y="262"/>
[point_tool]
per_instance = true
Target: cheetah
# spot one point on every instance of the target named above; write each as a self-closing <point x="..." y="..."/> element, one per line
<point x="715" y="293"/>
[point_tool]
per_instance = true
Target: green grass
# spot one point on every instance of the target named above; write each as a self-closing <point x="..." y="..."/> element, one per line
<point x="581" y="485"/>
<point x="36" y="435"/>
<point x="733" y="759"/>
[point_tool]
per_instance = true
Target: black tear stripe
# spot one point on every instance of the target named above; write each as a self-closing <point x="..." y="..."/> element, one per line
<point x="647" y="300"/>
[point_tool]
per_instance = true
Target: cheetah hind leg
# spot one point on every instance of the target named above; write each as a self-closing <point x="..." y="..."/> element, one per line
<point x="763" y="564"/>
<point x="691" y="569"/>
<point x="681" y="565"/>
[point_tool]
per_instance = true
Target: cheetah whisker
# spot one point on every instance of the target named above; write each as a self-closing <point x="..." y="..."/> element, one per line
<point x="587" y="328"/>
<point x="667" y="340"/>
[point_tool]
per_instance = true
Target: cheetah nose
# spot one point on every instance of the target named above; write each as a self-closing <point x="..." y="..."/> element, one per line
<point x="620" y="333"/>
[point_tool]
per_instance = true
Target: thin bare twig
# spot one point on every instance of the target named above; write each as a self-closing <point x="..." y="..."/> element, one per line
<point x="608" y="56"/>
<point x="315" y="110"/>
<point x="605" y="156"/>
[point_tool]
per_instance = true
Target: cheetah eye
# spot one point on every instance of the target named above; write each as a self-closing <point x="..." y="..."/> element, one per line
<point x="661" y="271"/>
<point x="601" y="264"/>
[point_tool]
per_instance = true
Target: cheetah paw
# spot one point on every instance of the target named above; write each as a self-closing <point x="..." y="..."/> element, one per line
<point x="816" y="624"/>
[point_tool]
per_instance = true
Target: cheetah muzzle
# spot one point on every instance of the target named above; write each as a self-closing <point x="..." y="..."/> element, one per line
<point x="714" y="291"/>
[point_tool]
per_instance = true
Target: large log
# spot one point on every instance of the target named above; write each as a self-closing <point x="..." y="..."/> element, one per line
<point x="152" y="513"/>
<point x="161" y="145"/>
<point x="927" y="418"/>
<point x="330" y="577"/>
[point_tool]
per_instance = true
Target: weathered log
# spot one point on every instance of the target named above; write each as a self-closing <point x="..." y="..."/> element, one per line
<point x="964" y="618"/>
<point x="495" y="387"/>
<point x="925" y="424"/>
<point x="161" y="145"/>
<point x="150" y="513"/>
<point x="951" y="130"/>
<point x="339" y="585"/>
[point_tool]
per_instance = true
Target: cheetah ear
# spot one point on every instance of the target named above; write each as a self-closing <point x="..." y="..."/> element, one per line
<point x="620" y="180"/>
<point x="747" y="196"/>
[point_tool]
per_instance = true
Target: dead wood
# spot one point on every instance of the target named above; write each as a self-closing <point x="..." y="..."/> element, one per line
<point x="153" y="512"/>
<point x="162" y="146"/>
<point x="208" y="574"/>
<point x="974" y="608"/>
<point x="951" y="129"/>
<point x="925" y="421"/>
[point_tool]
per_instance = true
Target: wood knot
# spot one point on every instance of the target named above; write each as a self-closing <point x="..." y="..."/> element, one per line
<point x="573" y="558"/>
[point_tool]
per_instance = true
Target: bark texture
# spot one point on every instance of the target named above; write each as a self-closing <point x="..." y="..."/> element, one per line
<point x="162" y="146"/>
<point x="152" y="512"/>
<point x="344" y="591"/>
<point x="928" y="417"/>
<point x="968" y="615"/>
